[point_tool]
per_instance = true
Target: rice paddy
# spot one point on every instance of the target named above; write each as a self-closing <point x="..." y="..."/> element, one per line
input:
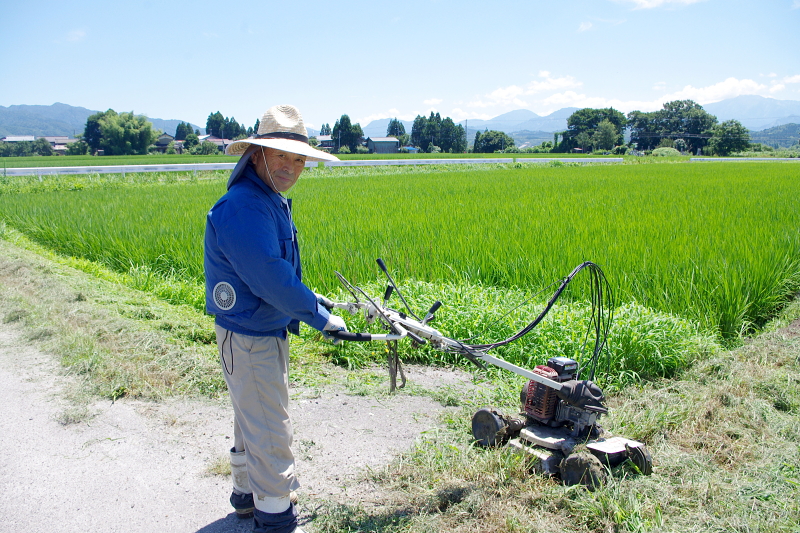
<point x="716" y="244"/>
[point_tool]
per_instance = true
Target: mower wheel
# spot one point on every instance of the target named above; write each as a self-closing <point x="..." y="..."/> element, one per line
<point x="640" y="457"/>
<point x="488" y="427"/>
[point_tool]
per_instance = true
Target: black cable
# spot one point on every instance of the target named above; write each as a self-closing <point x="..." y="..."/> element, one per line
<point x="527" y="329"/>
<point x="601" y="316"/>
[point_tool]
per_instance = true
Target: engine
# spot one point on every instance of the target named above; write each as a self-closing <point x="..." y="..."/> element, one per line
<point x="541" y="404"/>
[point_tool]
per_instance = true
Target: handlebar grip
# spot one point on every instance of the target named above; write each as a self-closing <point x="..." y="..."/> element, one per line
<point x="381" y="264"/>
<point x="436" y="305"/>
<point x="388" y="293"/>
<point x="416" y="338"/>
<point x="349" y="336"/>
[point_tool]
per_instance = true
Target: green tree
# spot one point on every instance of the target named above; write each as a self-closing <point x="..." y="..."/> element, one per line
<point x="395" y="128"/>
<point x="605" y="136"/>
<point x="730" y="136"/>
<point x="206" y="148"/>
<point x="232" y="129"/>
<point x="418" y="130"/>
<point x="583" y="140"/>
<point x="492" y="141"/>
<point x="79" y="147"/>
<point x="587" y="121"/>
<point x="126" y="134"/>
<point x="182" y="131"/>
<point x="191" y="141"/>
<point x="42" y="147"/>
<point x="91" y="133"/>
<point x="452" y="137"/>
<point x="683" y="119"/>
<point x="431" y="131"/>
<point x="345" y="133"/>
<point x="325" y="129"/>
<point x="215" y="124"/>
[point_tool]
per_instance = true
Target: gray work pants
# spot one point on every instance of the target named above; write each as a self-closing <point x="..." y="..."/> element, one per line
<point x="256" y="370"/>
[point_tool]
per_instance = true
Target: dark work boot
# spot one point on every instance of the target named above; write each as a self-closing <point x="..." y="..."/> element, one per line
<point x="285" y="522"/>
<point x="243" y="504"/>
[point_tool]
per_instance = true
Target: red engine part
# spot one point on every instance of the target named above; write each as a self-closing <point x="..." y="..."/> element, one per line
<point x="540" y="400"/>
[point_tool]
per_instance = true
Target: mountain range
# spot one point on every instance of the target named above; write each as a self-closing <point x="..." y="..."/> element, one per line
<point x="59" y="120"/>
<point x="755" y="112"/>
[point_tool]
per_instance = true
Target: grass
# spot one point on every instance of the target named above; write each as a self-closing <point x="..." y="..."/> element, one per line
<point x="724" y="436"/>
<point x="724" y="431"/>
<point x="644" y="344"/>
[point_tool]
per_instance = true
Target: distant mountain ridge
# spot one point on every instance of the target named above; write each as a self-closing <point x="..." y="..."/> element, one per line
<point x="60" y="120"/>
<point x="755" y="112"/>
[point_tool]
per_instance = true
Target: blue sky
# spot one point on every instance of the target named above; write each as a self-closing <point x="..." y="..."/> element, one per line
<point x="370" y="60"/>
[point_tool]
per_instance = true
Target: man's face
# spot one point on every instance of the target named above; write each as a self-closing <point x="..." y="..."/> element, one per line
<point x="284" y="167"/>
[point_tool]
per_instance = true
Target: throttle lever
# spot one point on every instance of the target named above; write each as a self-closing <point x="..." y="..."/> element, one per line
<point x="436" y="305"/>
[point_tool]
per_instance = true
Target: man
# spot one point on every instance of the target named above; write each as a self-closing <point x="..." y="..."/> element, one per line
<point x="254" y="287"/>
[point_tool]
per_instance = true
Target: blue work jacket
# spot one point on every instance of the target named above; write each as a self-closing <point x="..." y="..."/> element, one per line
<point x="251" y="249"/>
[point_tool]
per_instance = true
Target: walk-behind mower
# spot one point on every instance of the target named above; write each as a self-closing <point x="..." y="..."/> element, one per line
<point x="558" y="422"/>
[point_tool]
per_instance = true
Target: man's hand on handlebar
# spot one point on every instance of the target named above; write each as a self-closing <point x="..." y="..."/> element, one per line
<point x="335" y="323"/>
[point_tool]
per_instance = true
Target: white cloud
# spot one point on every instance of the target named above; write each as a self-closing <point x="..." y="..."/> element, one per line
<point x="729" y="88"/>
<point x="459" y="115"/>
<point x="549" y="93"/>
<point x="796" y="4"/>
<point x="585" y="26"/>
<point x="551" y="84"/>
<point x="509" y="93"/>
<point x="648" y="4"/>
<point x="76" y="36"/>
<point x="432" y="101"/>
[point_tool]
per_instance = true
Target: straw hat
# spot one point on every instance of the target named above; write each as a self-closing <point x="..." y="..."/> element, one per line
<point x="281" y="128"/>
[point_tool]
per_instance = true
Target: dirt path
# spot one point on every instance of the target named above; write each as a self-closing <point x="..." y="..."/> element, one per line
<point x="143" y="466"/>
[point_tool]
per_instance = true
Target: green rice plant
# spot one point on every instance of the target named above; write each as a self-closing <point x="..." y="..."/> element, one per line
<point x="715" y="244"/>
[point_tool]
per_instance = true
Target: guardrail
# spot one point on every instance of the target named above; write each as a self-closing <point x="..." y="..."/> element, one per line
<point x="195" y="167"/>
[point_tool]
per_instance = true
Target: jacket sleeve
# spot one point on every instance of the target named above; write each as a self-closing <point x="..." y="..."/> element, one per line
<point x="249" y="237"/>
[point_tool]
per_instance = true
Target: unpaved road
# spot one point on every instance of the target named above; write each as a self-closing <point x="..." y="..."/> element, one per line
<point x="143" y="466"/>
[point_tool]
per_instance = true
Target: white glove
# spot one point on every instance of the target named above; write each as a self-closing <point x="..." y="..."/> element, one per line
<point x="335" y="323"/>
<point x="324" y="302"/>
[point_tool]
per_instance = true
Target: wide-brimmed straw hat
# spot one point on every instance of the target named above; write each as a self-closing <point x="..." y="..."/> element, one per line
<point x="282" y="128"/>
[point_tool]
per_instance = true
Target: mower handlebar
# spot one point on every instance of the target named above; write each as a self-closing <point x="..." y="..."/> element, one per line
<point x="350" y="336"/>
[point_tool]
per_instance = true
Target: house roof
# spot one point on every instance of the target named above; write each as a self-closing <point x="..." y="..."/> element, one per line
<point x="19" y="138"/>
<point x="383" y="139"/>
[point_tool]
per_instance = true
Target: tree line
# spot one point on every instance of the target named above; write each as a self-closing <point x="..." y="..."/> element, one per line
<point x="681" y="124"/>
